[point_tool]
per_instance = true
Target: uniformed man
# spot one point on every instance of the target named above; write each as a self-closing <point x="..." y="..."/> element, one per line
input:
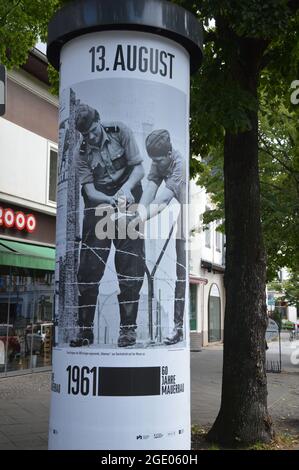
<point x="167" y="165"/>
<point x="109" y="167"/>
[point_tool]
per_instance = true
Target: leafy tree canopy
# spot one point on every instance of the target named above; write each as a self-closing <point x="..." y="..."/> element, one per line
<point x="224" y="104"/>
<point x="22" y="24"/>
<point x="279" y="177"/>
<point x="289" y="289"/>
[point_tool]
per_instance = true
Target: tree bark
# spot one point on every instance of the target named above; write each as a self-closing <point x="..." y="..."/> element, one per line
<point x="243" y="416"/>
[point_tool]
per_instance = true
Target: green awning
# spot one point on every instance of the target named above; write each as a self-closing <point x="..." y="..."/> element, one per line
<point x="24" y="255"/>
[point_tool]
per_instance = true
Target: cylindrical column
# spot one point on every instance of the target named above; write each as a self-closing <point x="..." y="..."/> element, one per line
<point x="121" y="374"/>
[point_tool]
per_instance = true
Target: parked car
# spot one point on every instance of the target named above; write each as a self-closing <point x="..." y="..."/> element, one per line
<point x="10" y="340"/>
<point x="288" y="325"/>
<point x="35" y="337"/>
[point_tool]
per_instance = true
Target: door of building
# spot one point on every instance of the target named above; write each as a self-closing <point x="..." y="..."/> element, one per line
<point x="214" y="333"/>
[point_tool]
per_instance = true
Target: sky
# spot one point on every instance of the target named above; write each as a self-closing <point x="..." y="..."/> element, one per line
<point x="41" y="46"/>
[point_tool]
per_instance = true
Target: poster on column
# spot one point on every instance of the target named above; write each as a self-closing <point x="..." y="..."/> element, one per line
<point x="121" y="377"/>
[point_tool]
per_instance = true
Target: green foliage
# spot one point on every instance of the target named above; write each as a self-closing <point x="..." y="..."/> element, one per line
<point x="279" y="179"/>
<point x="22" y="23"/>
<point x="218" y="101"/>
<point x="54" y="80"/>
<point x="289" y="289"/>
<point x="250" y="18"/>
<point x="279" y="173"/>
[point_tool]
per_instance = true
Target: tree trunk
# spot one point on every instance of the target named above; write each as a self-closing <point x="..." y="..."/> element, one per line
<point x="243" y="416"/>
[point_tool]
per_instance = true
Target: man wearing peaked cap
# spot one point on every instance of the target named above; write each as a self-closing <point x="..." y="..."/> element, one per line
<point x="110" y="169"/>
<point x="84" y="117"/>
<point x="167" y="166"/>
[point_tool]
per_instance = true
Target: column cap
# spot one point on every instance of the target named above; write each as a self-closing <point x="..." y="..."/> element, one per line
<point x="159" y="17"/>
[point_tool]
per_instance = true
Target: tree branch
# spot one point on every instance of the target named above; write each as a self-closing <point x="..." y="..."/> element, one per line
<point x="282" y="150"/>
<point x="290" y="170"/>
<point x="266" y="183"/>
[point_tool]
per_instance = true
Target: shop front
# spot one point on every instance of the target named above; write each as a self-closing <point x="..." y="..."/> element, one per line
<point x="26" y="296"/>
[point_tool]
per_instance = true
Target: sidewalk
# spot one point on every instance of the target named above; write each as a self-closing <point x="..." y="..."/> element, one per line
<point x="24" y="400"/>
<point x="24" y="411"/>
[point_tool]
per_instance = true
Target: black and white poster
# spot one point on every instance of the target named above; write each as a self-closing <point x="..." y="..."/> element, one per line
<point x="121" y="357"/>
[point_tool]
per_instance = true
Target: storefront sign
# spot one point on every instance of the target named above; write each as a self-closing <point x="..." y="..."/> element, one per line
<point x="121" y="365"/>
<point x="11" y="219"/>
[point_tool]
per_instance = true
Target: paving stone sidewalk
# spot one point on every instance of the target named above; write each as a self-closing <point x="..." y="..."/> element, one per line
<point x="24" y="412"/>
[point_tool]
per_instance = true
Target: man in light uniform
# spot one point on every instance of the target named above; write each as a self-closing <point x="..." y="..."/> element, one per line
<point x="168" y="166"/>
<point x="110" y="168"/>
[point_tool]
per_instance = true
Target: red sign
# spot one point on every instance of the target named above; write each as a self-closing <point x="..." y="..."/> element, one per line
<point x="18" y="220"/>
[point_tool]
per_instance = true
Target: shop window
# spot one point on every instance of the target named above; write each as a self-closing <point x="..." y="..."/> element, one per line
<point x="193" y="307"/>
<point x="214" y="310"/>
<point x="26" y="304"/>
<point x="52" y="175"/>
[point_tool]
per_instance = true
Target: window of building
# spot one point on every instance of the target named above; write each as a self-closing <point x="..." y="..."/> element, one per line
<point x="193" y="307"/>
<point x="218" y="239"/>
<point x="208" y="232"/>
<point x="208" y="237"/>
<point x="214" y="314"/>
<point x="52" y="175"/>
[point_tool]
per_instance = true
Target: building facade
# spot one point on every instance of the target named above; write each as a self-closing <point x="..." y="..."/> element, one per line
<point x="207" y="294"/>
<point x="28" y="165"/>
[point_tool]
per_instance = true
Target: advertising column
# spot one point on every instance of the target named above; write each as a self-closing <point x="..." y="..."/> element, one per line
<point x="121" y="372"/>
